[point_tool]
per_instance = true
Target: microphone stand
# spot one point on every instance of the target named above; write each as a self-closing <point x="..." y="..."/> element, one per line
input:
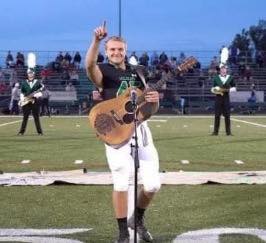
<point x="135" y="155"/>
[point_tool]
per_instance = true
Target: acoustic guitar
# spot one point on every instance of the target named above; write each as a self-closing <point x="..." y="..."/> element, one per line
<point x="113" y="120"/>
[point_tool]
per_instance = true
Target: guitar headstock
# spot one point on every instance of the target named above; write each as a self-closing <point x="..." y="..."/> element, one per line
<point x="187" y="64"/>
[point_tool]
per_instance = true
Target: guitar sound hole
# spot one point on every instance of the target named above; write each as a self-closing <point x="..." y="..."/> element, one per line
<point x="129" y="107"/>
<point x="128" y="118"/>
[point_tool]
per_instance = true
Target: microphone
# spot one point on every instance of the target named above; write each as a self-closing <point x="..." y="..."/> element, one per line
<point x="133" y="97"/>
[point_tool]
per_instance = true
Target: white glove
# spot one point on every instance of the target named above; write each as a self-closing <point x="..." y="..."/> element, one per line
<point x="38" y="95"/>
<point x="233" y="89"/>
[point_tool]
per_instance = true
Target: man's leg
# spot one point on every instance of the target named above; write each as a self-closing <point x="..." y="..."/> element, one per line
<point x="26" y="112"/>
<point x="226" y="113"/>
<point x="120" y="208"/>
<point x="218" y="112"/>
<point x="149" y="172"/>
<point x="119" y="161"/>
<point x="36" y="116"/>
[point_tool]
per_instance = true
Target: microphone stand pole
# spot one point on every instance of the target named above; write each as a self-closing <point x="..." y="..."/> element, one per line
<point x="135" y="154"/>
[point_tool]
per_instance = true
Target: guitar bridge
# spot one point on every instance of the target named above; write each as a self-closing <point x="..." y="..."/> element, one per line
<point x="116" y="117"/>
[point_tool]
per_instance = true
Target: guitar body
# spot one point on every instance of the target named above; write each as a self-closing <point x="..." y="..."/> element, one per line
<point x="113" y="120"/>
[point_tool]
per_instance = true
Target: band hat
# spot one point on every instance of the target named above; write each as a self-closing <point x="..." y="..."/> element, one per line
<point x="30" y="70"/>
<point x="223" y="65"/>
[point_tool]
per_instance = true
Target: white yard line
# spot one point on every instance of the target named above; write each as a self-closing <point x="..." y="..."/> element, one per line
<point x="247" y="122"/>
<point x="155" y="120"/>
<point x="25" y="161"/>
<point x="9" y="123"/>
<point x="239" y="162"/>
<point x="184" y="161"/>
<point x="78" y="161"/>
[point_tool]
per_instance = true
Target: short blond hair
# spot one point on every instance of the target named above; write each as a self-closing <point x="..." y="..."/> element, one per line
<point x="115" y="38"/>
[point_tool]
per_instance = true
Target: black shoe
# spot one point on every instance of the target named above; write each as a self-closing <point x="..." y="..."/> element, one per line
<point x="214" y="134"/>
<point x="229" y="134"/>
<point x="20" y="134"/>
<point x="144" y="234"/>
<point x="123" y="239"/>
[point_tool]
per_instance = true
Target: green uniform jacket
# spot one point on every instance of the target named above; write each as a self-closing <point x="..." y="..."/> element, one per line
<point x="228" y="84"/>
<point x="27" y="90"/>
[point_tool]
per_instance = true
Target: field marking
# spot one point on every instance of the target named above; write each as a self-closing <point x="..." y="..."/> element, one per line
<point x="184" y="161"/>
<point x="212" y="235"/>
<point x="157" y="120"/>
<point x="78" y="161"/>
<point x="239" y="162"/>
<point x="25" y="161"/>
<point x="9" y="123"/>
<point x="250" y="123"/>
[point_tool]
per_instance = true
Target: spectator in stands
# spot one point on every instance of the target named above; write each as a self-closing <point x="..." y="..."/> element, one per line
<point x="67" y="58"/>
<point x="3" y="87"/>
<point x="259" y="59"/>
<point x="9" y="60"/>
<point x="100" y="58"/>
<point x="214" y="67"/>
<point x="144" y="59"/>
<point x="252" y="100"/>
<point x="45" y="73"/>
<point x="181" y="58"/>
<point x="241" y="70"/>
<point x="74" y="77"/>
<point x="77" y="60"/>
<point x="154" y="59"/>
<point x="20" y="60"/>
<point x="65" y="77"/>
<point x="163" y="58"/>
<point x="222" y="85"/>
<point x="173" y="63"/>
<point x="247" y="74"/>
<point x="13" y="78"/>
<point x="233" y="54"/>
<point x="133" y="58"/>
<point x="15" y="95"/>
<point x="2" y="78"/>
<point x="57" y="65"/>
<point x="202" y="79"/>
<point x="45" y="108"/>
<point x="70" y="87"/>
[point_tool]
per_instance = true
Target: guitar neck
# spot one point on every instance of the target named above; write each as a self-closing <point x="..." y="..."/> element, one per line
<point x="184" y="67"/>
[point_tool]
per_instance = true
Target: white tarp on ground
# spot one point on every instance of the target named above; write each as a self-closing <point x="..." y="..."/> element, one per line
<point x="104" y="178"/>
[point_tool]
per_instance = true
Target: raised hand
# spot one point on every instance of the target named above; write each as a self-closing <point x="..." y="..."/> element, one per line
<point x="101" y="31"/>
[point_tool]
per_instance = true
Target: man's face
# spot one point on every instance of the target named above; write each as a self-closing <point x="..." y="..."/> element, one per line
<point x="30" y="75"/>
<point x="115" y="52"/>
<point x="223" y="71"/>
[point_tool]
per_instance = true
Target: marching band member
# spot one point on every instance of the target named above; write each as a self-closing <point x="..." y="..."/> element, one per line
<point x="223" y="84"/>
<point x="30" y="93"/>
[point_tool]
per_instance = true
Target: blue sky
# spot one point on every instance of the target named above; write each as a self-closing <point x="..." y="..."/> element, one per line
<point x="52" y="25"/>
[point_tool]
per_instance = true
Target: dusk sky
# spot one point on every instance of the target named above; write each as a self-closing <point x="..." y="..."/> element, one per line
<point x="52" y="25"/>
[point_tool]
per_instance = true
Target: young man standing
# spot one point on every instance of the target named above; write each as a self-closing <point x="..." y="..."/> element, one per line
<point x="113" y="78"/>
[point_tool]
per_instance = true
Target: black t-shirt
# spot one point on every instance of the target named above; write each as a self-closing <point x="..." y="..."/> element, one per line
<point x="117" y="80"/>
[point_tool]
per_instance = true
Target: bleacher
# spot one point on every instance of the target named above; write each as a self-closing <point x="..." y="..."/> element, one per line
<point x="193" y="87"/>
